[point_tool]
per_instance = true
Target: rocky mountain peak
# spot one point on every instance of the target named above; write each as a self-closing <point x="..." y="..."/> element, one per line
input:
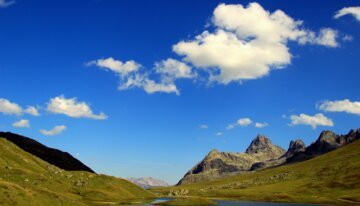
<point x="295" y="146"/>
<point x="327" y="136"/>
<point x="259" y="144"/>
<point x="213" y="152"/>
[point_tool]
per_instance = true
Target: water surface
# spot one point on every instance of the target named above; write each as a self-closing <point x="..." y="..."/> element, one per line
<point x="241" y="203"/>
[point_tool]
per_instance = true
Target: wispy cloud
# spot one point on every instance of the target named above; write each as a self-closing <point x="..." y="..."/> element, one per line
<point x="6" y="3"/>
<point x="204" y="126"/>
<point x="54" y="131"/>
<point x="261" y="125"/>
<point x="22" y="123"/>
<point x="353" y="11"/>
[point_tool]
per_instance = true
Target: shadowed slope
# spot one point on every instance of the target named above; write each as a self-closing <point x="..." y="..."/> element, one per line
<point x="28" y="180"/>
<point x="55" y="157"/>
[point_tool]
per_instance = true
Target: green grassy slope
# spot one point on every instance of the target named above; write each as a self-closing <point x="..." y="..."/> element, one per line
<point x="27" y="180"/>
<point x="330" y="178"/>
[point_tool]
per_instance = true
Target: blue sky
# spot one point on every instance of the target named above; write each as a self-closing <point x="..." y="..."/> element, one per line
<point x="126" y="85"/>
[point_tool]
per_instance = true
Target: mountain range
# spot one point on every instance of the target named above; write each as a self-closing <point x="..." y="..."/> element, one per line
<point x="262" y="154"/>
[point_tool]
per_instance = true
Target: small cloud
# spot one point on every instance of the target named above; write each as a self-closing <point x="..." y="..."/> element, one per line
<point x="230" y="126"/>
<point x="54" y="131"/>
<point x="5" y="3"/>
<point x="313" y="121"/>
<point x="353" y="11"/>
<point x="261" y="125"/>
<point x="348" y="38"/>
<point x="9" y="108"/>
<point x="244" y="122"/>
<point x="204" y="126"/>
<point x="117" y="66"/>
<point x="32" y="111"/>
<point x="345" y="105"/>
<point x="22" y="123"/>
<point x="219" y="134"/>
<point x="72" y="108"/>
<point x="172" y="69"/>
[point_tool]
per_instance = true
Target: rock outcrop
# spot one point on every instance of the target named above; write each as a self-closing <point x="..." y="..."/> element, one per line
<point x="294" y="147"/>
<point x="326" y="142"/>
<point x="218" y="164"/>
<point x="55" y="157"/>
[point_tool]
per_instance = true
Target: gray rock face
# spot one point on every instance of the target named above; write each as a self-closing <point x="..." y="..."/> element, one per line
<point x="218" y="164"/>
<point x="261" y="144"/>
<point x="294" y="147"/>
<point x="326" y="142"/>
<point x="148" y="182"/>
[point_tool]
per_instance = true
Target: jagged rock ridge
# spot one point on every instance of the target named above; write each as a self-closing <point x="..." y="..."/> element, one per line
<point x="217" y="164"/>
<point x="263" y="154"/>
<point x="326" y="142"/>
<point x="55" y="157"/>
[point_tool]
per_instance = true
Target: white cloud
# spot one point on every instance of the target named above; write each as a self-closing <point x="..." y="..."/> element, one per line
<point x="149" y="86"/>
<point x="218" y="134"/>
<point x="172" y="69"/>
<point x="131" y="76"/>
<point x="22" y="123"/>
<point x="261" y="125"/>
<point x="341" y="106"/>
<point x="54" y="131"/>
<point x="354" y="11"/>
<point x="72" y="108"/>
<point x="32" y="111"/>
<point x="230" y="126"/>
<point x="244" y="122"/>
<point x="248" y="42"/>
<point x="326" y="37"/>
<point x="314" y="121"/>
<point x="204" y="126"/>
<point x="6" y="3"/>
<point x="10" y="108"/>
<point x="116" y="66"/>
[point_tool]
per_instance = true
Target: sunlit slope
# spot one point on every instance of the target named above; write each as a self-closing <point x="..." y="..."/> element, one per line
<point x="330" y="178"/>
<point x="27" y="180"/>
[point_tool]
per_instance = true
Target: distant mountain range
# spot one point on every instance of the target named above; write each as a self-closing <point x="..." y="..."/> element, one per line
<point x="263" y="154"/>
<point x="148" y="182"/>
